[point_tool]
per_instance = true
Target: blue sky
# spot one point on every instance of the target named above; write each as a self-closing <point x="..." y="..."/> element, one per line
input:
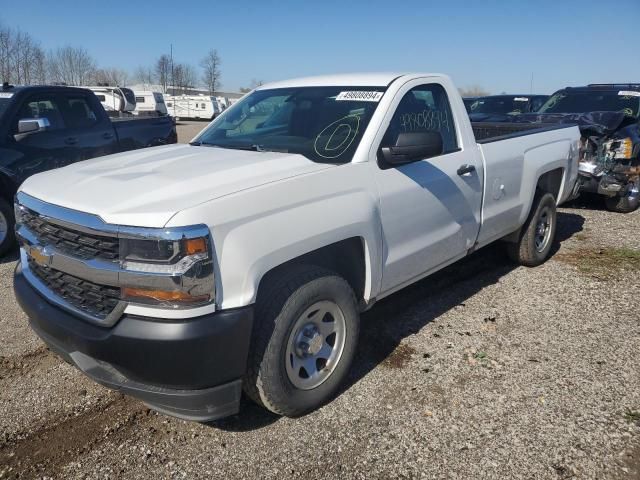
<point x="494" y="44"/>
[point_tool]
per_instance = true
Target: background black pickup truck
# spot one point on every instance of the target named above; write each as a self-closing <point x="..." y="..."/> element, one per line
<point x="47" y="127"/>
<point x="609" y="118"/>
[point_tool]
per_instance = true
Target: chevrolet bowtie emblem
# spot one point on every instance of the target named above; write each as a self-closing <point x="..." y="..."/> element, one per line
<point x="40" y="256"/>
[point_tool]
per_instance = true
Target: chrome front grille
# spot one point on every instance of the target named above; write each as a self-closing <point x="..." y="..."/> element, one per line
<point x="72" y="242"/>
<point x="96" y="300"/>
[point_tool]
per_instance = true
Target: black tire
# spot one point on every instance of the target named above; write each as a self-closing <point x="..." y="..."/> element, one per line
<point x="526" y="251"/>
<point x="279" y="306"/>
<point x="626" y="203"/>
<point x="9" y="240"/>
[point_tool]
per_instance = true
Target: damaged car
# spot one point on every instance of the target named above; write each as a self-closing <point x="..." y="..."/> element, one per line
<point x="609" y="119"/>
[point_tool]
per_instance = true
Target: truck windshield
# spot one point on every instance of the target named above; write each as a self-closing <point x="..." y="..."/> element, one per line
<point x="593" y="101"/>
<point x="500" y="105"/>
<point x="325" y="124"/>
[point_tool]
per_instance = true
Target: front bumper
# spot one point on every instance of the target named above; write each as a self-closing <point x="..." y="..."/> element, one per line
<point x="191" y="369"/>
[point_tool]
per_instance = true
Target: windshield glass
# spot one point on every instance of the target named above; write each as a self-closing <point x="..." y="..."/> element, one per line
<point x="502" y="105"/>
<point x="325" y="124"/>
<point x="593" y="101"/>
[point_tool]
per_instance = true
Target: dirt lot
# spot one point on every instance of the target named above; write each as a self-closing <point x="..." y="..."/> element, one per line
<point x="187" y="129"/>
<point x="481" y="371"/>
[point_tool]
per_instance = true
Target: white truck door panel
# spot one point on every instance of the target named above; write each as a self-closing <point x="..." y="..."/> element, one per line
<point x="430" y="215"/>
<point x="512" y="169"/>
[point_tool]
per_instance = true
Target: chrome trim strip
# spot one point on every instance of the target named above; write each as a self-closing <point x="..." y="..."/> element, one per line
<point x="94" y="225"/>
<point x="102" y="271"/>
<point x="170" y="314"/>
<point x="96" y="271"/>
<point x="35" y="282"/>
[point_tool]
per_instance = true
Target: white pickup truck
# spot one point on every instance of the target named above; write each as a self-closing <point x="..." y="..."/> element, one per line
<point x="182" y="275"/>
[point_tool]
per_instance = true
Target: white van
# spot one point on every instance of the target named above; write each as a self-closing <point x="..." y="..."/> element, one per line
<point x="115" y="99"/>
<point x="192" y="106"/>
<point x="149" y="103"/>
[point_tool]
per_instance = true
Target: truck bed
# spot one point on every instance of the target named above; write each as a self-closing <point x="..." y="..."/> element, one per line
<point x="140" y="132"/>
<point x="487" y="132"/>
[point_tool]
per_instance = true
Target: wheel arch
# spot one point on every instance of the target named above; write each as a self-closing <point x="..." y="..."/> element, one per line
<point x="349" y="258"/>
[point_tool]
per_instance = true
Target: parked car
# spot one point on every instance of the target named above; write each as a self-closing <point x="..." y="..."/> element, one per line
<point x="42" y="128"/>
<point x="181" y="274"/>
<point x="197" y="107"/>
<point x="609" y="117"/>
<point x="149" y="103"/>
<point x="493" y="107"/>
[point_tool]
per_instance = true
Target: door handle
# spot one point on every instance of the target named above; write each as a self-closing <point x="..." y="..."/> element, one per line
<point x="71" y="140"/>
<point x="107" y="136"/>
<point x="466" y="168"/>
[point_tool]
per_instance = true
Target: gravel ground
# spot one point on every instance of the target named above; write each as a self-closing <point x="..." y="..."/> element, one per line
<point x="187" y="129"/>
<point x="480" y="371"/>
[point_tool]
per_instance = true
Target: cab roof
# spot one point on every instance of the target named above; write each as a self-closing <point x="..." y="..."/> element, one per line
<point x="374" y="79"/>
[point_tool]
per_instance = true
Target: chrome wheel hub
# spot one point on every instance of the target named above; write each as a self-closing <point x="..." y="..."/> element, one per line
<point x="543" y="229"/>
<point x="315" y="345"/>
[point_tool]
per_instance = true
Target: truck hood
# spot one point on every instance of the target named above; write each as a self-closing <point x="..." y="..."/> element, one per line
<point x="147" y="187"/>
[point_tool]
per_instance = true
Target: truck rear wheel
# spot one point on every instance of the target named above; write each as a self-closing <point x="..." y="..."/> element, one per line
<point x="537" y="234"/>
<point x="304" y="340"/>
<point x="626" y="203"/>
<point x="7" y="224"/>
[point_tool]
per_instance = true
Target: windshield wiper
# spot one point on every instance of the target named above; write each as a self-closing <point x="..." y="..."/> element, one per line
<point x="234" y="147"/>
<point x="252" y="148"/>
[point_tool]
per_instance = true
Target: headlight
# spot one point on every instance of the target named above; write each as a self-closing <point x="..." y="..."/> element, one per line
<point x="622" y="148"/>
<point x="169" y="267"/>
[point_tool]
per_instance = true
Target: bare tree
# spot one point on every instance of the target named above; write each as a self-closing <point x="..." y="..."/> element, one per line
<point x="184" y="77"/>
<point x="254" y="84"/>
<point x="144" y="75"/>
<point x="211" y="70"/>
<point x="71" y="65"/>
<point x="163" y="71"/>
<point x="110" y="76"/>
<point x="473" y="91"/>
<point x="21" y="57"/>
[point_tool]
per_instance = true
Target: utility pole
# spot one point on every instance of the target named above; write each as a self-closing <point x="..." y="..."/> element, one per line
<point x="531" y="85"/>
<point x="173" y="85"/>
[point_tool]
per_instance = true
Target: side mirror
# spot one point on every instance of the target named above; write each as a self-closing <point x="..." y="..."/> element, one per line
<point x="413" y="146"/>
<point x="29" y="125"/>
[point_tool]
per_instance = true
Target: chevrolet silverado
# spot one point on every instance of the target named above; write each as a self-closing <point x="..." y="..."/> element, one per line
<point x="183" y="275"/>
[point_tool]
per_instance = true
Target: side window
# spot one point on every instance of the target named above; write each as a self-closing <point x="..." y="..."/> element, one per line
<point x="424" y="108"/>
<point x="79" y="113"/>
<point x="41" y="106"/>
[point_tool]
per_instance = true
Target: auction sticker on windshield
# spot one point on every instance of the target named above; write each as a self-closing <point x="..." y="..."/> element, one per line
<point x="628" y="93"/>
<point x="360" y="96"/>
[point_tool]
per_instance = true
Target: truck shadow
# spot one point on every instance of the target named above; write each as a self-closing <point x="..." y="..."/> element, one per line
<point x="411" y="309"/>
<point x="11" y="256"/>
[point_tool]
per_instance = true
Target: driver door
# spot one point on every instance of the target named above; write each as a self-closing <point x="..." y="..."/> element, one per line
<point x="42" y="150"/>
<point x="430" y="212"/>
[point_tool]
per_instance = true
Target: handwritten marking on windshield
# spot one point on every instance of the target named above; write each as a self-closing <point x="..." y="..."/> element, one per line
<point x="328" y="143"/>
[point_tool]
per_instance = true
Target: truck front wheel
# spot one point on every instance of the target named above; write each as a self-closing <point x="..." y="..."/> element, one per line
<point x="7" y="236"/>
<point x="304" y="340"/>
<point x="537" y="234"/>
<point x="626" y="203"/>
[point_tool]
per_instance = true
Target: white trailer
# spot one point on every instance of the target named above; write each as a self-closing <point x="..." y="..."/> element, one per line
<point x="192" y="106"/>
<point x="115" y="99"/>
<point x="149" y="103"/>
